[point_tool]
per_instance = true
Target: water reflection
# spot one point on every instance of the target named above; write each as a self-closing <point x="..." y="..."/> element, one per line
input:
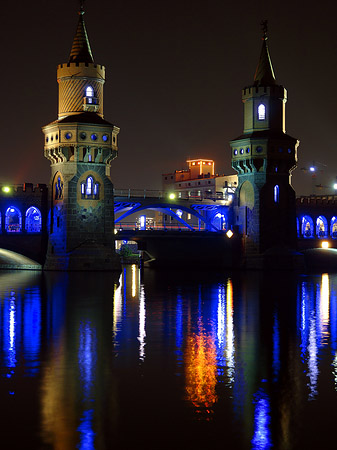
<point x="232" y="360"/>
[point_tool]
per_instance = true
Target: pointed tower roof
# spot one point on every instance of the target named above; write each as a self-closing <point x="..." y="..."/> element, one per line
<point x="264" y="75"/>
<point x="81" y="51"/>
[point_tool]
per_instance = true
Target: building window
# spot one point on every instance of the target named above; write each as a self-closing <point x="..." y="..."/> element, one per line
<point x="261" y="112"/>
<point x="33" y="220"/>
<point x="276" y="193"/>
<point x="90" y="189"/>
<point x="13" y="221"/>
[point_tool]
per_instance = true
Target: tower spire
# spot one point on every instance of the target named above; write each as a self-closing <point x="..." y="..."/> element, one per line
<point x="264" y="75"/>
<point x="81" y="51"/>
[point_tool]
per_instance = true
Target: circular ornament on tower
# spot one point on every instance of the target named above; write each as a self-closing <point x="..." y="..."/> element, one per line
<point x="94" y="137"/>
<point x="68" y="135"/>
<point x="83" y="135"/>
<point x="105" y="137"/>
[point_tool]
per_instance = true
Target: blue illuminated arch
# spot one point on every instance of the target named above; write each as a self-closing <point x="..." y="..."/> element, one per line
<point x="321" y="227"/>
<point x="276" y="193"/>
<point x="33" y="220"/>
<point x="307" y="228"/>
<point x="13" y="220"/>
<point x="219" y="221"/>
<point x="333" y="228"/>
<point x="165" y="208"/>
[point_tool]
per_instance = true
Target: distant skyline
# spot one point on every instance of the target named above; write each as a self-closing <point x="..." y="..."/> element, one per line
<point x="175" y="70"/>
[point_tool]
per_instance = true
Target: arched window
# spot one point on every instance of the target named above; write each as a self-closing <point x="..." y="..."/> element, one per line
<point x="276" y="193"/>
<point x="333" y="227"/>
<point x="58" y="189"/>
<point x="33" y="220"/>
<point x="261" y="112"/>
<point x="307" y="228"/>
<point x="13" y="220"/>
<point x="321" y="227"/>
<point x="90" y="189"/>
<point x="89" y="92"/>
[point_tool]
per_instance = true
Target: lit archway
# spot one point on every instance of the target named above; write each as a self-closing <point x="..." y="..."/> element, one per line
<point x="307" y="228"/>
<point x="13" y="220"/>
<point x="333" y="228"/>
<point x="33" y="220"/>
<point x="321" y="227"/>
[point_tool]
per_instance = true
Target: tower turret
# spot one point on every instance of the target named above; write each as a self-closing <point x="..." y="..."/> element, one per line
<point x="264" y="157"/>
<point x="80" y="146"/>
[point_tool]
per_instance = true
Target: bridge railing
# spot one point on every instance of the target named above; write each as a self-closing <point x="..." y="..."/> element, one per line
<point x="134" y="226"/>
<point x="165" y="195"/>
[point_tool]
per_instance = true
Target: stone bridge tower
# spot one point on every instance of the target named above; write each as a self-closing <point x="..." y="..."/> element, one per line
<point x="264" y="157"/>
<point x="80" y="146"/>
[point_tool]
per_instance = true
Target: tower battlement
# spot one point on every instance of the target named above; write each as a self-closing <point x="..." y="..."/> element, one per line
<point x="275" y="91"/>
<point x="90" y="70"/>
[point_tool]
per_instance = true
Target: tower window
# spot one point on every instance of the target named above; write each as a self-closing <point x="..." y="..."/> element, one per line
<point x="90" y="189"/>
<point x="261" y="112"/>
<point x="276" y="193"/>
<point x="89" y="92"/>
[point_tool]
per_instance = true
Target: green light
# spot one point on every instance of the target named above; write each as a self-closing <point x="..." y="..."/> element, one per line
<point x="6" y="189"/>
<point x="172" y="196"/>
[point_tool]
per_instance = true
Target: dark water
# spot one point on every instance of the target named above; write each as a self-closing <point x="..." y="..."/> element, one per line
<point x="172" y="361"/>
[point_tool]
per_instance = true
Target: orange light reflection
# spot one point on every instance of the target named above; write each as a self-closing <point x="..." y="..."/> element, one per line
<point x="201" y="371"/>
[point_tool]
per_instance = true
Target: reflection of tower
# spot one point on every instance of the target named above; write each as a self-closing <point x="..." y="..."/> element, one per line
<point x="264" y="157"/>
<point x="80" y="145"/>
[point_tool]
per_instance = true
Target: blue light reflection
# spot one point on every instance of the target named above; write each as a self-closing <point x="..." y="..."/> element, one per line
<point x="262" y="436"/>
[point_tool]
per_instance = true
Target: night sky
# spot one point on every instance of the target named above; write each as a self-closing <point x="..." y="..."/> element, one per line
<point x="175" y="70"/>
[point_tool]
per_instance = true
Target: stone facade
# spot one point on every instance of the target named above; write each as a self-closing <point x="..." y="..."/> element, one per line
<point x="80" y="146"/>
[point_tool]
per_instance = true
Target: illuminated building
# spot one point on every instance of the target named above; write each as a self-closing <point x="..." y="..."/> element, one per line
<point x="200" y="180"/>
<point x="80" y="146"/>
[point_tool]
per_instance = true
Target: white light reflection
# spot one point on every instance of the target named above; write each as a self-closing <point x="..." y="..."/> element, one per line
<point x="134" y="278"/>
<point x="117" y="311"/>
<point x="324" y="309"/>
<point x="230" y="333"/>
<point x="142" y="320"/>
<point x="312" y="360"/>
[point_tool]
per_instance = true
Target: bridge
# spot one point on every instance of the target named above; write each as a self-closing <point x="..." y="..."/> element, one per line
<point x="190" y="212"/>
<point x="178" y="226"/>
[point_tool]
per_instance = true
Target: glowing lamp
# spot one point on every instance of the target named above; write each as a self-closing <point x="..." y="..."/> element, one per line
<point x="312" y="169"/>
<point x="325" y="244"/>
<point x="115" y="231"/>
<point x="335" y="186"/>
<point x="6" y="189"/>
<point x="229" y="234"/>
<point x="172" y="196"/>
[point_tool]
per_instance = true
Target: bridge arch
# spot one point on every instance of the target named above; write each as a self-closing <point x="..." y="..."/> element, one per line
<point x="165" y="208"/>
